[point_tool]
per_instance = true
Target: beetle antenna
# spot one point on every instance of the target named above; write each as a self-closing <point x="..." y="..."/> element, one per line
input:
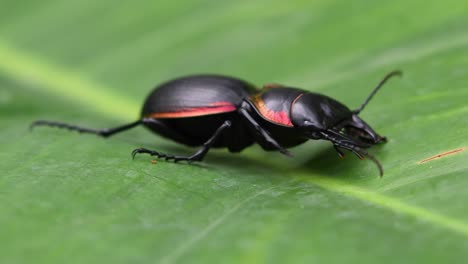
<point x="376" y="89"/>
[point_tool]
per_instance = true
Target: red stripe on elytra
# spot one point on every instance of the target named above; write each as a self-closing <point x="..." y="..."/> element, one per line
<point x="214" y="108"/>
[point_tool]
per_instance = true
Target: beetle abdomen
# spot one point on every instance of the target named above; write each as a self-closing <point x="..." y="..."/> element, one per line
<point x="196" y="96"/>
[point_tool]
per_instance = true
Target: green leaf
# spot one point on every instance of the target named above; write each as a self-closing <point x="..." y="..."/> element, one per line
<point x="69" y="198"/>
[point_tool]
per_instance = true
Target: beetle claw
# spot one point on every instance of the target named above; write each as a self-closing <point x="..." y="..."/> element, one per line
<point x="287" y="153"/>
<point x="340" y="153"/>
<point x="137" y="151"/>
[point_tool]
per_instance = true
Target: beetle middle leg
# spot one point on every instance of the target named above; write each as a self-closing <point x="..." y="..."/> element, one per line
<point x="197" y="156"/>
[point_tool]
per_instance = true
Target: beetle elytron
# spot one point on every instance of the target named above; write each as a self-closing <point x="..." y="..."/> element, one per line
<point x="219" y="111"/>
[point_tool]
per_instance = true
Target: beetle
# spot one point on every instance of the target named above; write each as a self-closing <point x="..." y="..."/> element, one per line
<point x="214" y="111"/>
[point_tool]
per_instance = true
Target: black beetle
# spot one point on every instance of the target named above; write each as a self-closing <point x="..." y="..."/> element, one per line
<point x="219" y="111"/>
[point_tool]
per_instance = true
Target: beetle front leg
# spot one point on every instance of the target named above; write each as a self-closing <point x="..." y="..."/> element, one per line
<point x="265" y="135"/>
<point x="197" y="156"/>
<point x="338" y="150"/>
<point x="341" y="141"/>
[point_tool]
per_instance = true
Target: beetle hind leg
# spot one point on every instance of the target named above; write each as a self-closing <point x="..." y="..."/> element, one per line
<point x="106" y="132"/>
<point x="162" y="155"/>
<point x="197" y="156"/>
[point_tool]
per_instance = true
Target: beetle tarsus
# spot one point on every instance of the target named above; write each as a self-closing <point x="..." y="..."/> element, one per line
<point x="340" y="153"/>
<point x="159" y="154"/>
<point x="168" y="157"/>
<point x="197" y="156"/>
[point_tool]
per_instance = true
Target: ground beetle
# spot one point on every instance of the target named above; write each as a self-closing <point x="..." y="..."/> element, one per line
<point x="219" y="111"/>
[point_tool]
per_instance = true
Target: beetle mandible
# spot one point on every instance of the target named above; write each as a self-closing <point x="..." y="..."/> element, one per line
<point x="219" y="111"/>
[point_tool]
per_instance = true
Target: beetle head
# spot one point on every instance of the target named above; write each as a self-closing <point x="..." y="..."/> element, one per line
<point x="314" y="113"/>
<point x="321" y="117"/>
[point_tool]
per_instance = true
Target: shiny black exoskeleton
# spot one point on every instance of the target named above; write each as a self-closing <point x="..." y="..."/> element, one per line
<point x="219" y="111"/>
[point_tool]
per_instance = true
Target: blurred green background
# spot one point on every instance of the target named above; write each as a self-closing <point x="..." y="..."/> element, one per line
<point x="75" y="198"/>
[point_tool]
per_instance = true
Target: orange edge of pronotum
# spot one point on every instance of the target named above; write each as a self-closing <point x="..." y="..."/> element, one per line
<point x="278" y="117"/>
<point x="441" y="155"/>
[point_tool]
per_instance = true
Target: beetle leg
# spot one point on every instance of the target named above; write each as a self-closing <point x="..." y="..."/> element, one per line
<point x="344" y="142"/>
<point x="197" y="156"/>
<point x="265" y="135"/>
<point x="106" y="132"/>
<point x="338" y="150"/>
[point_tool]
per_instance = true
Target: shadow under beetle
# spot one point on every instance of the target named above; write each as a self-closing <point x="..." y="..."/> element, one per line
<point x="219" y="111"/>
